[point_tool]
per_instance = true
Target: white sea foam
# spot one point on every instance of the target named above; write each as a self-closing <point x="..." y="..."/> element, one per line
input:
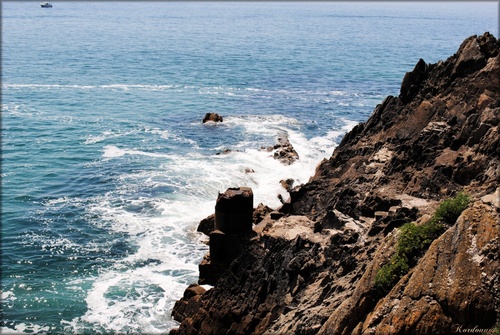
<point x="25" y="328"/>
<point x="349" y="124"/>
<point x="47" y="86"/>
<point x="137" y="292"/>
<point x="133" y="301"/>
<point x="7" y="295"/>
<point x="166" y="134"/>
<point x="111" y="151"/>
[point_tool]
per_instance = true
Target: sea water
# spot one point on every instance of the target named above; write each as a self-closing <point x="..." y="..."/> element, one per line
<point x="107" y="168"/>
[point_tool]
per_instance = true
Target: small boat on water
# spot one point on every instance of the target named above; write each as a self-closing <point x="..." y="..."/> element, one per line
<point x="46" y="5"/>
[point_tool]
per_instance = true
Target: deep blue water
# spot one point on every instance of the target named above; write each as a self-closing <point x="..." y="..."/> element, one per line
<point x="107" y="168"/>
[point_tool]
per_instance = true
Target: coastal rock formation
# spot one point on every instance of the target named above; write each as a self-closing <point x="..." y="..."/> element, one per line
<point x="432" y="299"/>
<point x="283" y="150"/>
<point x="190" y="302"/>
<point x="311" y="269"/>
<point x="444" y="139"/>
<point x="207" y="225"/>
<point x="213" y="117"/>
<point x="232" y="227"/>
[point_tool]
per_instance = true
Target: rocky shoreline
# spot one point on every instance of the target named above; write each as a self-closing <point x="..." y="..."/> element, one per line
<point x="310" y="267"/>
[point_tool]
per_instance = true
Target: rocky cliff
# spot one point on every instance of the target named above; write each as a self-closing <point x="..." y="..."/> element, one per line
<point x="312" y="268"/>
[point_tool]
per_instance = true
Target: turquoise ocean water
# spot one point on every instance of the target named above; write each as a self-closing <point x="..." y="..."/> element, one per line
<point x="106" y="167"/>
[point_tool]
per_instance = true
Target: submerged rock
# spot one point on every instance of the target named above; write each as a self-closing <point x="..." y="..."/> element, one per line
<point x="283" y="149"/>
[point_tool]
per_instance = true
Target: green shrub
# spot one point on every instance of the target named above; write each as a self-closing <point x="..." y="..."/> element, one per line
<point x="414" y="241"/>
<point x="450" y="209"/>
<point x="390" y="273"/>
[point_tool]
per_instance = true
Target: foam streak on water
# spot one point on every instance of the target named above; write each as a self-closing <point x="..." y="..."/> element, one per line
<point x="106" y="166"/>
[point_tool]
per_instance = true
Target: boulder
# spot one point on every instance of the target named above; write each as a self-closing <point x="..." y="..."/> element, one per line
<point x="213" y="117"/>
<point x="260" y="212"/>
<point x="287" y="184"/>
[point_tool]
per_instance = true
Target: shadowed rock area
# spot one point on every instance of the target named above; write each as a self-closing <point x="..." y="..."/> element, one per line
<point x="311" y="269"/>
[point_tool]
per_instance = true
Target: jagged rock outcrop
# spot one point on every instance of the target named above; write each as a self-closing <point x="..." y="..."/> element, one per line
<point x="441" y="141"/>
<point x="284" y="151"/>
<point x="311" y="270"/>
<point x="189" y="304"/>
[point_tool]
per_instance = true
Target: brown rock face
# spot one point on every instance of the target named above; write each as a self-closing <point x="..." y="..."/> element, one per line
<point x="442" y="139"/>
<point x="455" y="286"/>
<point x="189" y="304"/>
<point x="312" y="271"/>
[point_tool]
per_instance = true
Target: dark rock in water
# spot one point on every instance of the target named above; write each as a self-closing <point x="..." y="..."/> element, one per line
<point x="287" y="184"/>
<point x="284" y="151"/>
<point x="312" y="270"/>
<point x="283" y="201"/>
<point x="214" y="117"/>
<point x="234" y="217"/>
<point x="225" y="152"/>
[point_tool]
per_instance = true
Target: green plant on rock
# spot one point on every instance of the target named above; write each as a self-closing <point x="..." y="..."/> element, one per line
<point x="450" y="209"/>
<point x="414" y="240"/>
